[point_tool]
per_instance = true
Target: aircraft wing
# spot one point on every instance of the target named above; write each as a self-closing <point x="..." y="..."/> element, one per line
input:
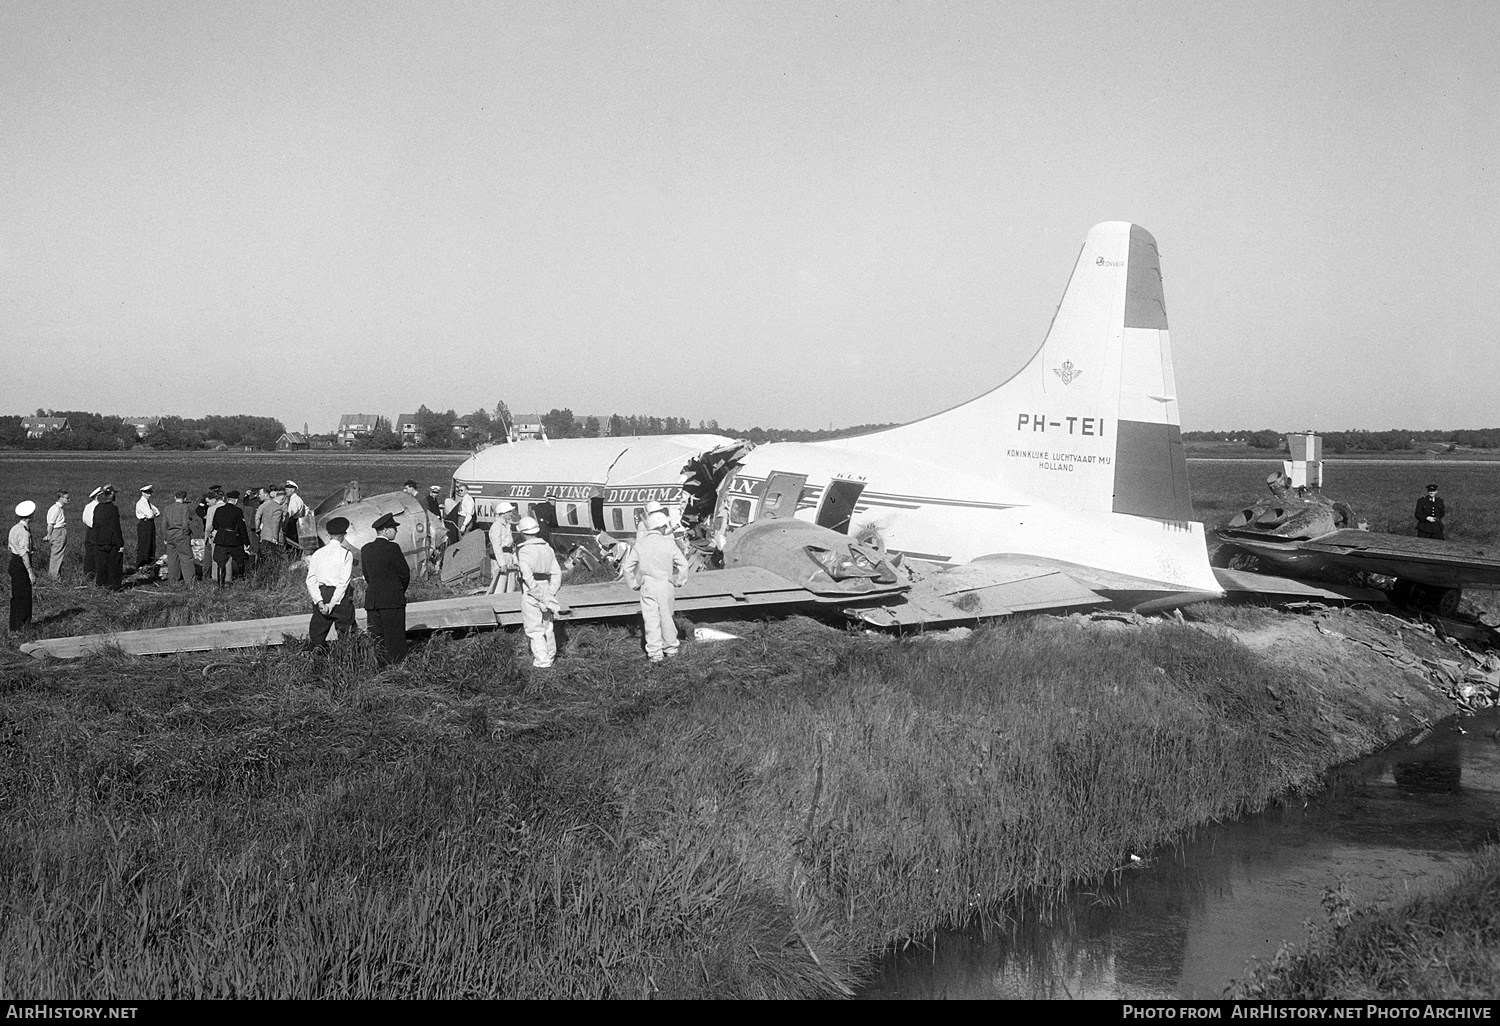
<point x="1430" y="561"/>
<point x="740" y="587"/>
<point x="1243" y="581"/>
<point x="994" y="586"/>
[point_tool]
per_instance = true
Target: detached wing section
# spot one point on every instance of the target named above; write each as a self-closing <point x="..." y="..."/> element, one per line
<point x="997" y="586"/>
<point x="1430" y="561"/>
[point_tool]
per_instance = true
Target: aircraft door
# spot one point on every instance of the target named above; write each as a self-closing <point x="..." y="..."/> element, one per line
<point x="782" y="492"/>
<point x="838" y="504"/>
<point x="596" y="512"/>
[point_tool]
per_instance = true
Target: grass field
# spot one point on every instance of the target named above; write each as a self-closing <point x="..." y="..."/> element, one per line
<point x="754" y="819"/>
<point x="1385" y="494"/>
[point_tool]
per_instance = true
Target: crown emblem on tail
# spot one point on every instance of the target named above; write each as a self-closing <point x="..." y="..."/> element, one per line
<point x="1067" y="372"/>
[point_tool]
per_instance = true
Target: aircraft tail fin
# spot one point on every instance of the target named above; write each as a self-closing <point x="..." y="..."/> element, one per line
<point x="1091" y="421"/>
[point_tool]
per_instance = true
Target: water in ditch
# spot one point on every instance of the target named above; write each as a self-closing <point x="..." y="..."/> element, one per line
<point x="1188" y="920"/>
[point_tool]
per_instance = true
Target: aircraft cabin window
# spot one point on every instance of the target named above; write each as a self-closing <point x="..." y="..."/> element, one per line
<point x="739" y="512"/>
<point x="638" y="513"/>
<point x="573" y="514"/>
<point x="619" y="519"/>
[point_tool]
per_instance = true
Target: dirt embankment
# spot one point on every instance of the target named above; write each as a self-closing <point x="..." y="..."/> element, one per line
<point x="1373" y="675"/>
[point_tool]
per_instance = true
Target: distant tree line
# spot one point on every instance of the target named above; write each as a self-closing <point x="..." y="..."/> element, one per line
<point x="96" y="431"/>
<point x="237" y="431"/>
<point x="1394" y="440"/>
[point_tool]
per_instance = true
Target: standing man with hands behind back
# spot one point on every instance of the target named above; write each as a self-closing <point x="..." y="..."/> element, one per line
<point x="328" y="573"/>
<point x="386" y="579"/>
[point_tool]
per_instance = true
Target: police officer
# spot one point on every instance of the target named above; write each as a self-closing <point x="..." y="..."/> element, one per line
<point x="1430" y="513"/>
<point x="109" y="542"/>
<point x="540" y="576"/>
<point x="386" y="579"/>
<point x="656" y="567"/>
<point x="231" y="540"/>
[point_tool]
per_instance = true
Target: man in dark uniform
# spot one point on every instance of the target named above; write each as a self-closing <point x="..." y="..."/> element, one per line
<point x="1430" y="513"/>
<point x="109" y="542"/>
<point x="231" y="539"/>
<point x="386" y="578"/>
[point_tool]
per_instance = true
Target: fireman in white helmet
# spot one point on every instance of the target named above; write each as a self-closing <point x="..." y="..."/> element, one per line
<point x="503" y="544"/>
<point x="643" y="519"/>
<point x="540" y="576"/>
<point x="656" y="567"/>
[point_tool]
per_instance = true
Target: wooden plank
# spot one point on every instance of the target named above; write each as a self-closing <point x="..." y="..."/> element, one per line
<point x="710" y="590"/>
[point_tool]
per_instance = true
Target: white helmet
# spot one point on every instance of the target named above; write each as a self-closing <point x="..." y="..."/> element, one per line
<point x="504" y="508"/>
<point x="26" y="508"/>
<point x="528" y="525"/>
<point x="656" y="520"/>
<point x="653" y="507"/>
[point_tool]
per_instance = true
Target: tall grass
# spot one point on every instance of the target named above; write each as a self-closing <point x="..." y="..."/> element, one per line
<point x="754" y="819"/>
<point x="1438" y="946"/>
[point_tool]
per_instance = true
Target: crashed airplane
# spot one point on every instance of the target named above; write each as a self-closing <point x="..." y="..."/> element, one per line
<point x="1064" y="487"/>
<point x="1300" y="532"/>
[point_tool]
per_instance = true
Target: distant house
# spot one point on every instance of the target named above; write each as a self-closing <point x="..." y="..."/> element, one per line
<point x="525" y="427"/>
<point x="355" y="425"/>
<point x="470" y="429"/>
<point x="36" y="427"/>
<point x="320" y="442"/>
<point x="291" y="440"/>
<point x="406" y="427"/>
<point x="143" y="425"/>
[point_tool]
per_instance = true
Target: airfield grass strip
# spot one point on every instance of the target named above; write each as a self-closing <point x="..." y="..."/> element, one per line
<point x="1437" y="946"/>
<point x="754" y="819"/>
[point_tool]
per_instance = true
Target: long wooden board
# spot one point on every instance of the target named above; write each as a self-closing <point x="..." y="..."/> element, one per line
<point x="741" y="587"/>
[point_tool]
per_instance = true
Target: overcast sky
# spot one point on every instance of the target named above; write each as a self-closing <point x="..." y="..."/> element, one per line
<point x="776" y="214"/>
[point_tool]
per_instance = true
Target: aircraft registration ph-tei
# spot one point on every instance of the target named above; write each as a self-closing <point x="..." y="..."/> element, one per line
<point x="1063" y="487"/>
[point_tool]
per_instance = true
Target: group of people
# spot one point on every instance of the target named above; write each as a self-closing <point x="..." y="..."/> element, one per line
<point x="272" y="512"/>
<point x="525" y="561"/>
<point x="329" y="572"/>
<point x="654" y="565"/>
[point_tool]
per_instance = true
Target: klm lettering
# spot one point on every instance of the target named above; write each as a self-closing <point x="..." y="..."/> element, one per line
<point x="1093" y="426"/>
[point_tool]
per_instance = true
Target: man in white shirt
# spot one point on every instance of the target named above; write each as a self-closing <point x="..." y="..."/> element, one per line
<point x="22" y="577"/>
<point x="295" y="508"/>
<point x="464" y="514"/>
<point x="503" y="544"/>
<point x="145" y="528"/>
<point x="328" y="572"/>
<point x="57" y="535"/>
<point x="88" y="532"/>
